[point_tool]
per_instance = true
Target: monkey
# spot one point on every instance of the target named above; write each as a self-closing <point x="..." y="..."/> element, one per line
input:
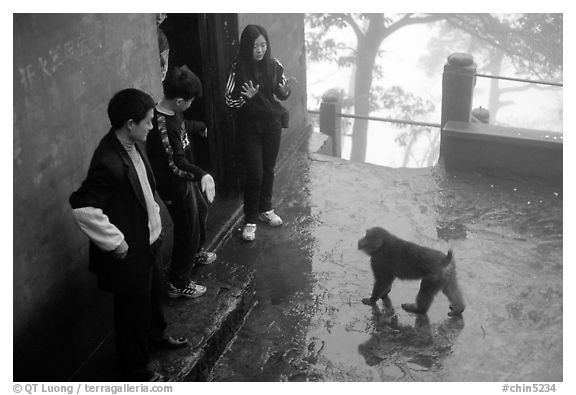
<point x="392" y="257"/>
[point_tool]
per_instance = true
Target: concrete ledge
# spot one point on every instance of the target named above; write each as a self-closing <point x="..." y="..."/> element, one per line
<point x="320" y="143"/>
<point x="214" y="322"/>
<point x="210" y="323"/>
<point x="496" y="149"/>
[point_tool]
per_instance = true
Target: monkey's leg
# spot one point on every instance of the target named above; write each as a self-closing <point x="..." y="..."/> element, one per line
<point x="428" y="289"/>
<point x="381" y="289"/>
<point x="454" y="295"/>
<point x="387" y="303"/>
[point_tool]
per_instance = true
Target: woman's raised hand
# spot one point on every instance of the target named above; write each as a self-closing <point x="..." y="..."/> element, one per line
<point x="249" y="90"/>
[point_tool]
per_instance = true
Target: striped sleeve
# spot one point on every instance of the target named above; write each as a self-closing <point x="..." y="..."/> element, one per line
<point x="233" y="100"/>
<point x="162" y="128"/>
<point x="281" y="94"/>
<point x="282" y="79"/>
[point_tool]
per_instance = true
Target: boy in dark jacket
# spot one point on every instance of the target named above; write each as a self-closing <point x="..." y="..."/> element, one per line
<point x="180" y="180"/>
<point x="116" y="208"/>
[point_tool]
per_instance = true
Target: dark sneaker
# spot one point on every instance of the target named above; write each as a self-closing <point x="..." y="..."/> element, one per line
<point x="204" y="258"/>
<point x="191" y="291"/>
<point x="157" y="377"/>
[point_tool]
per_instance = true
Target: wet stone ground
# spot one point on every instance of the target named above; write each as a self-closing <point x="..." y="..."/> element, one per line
<point x="309" y="323"/>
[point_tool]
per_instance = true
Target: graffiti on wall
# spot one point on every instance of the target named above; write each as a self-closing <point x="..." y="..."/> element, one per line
<point x="54" y="59"/>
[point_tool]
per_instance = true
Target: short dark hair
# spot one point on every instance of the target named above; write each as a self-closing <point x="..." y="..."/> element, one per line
<point x="129" y="104"/>
<point x="183" y="83"/>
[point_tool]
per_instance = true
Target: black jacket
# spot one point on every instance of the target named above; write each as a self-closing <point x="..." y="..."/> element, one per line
<point x="171" y="155"/>
<point x="112" y="185"/>
<point x="262" y="107"/>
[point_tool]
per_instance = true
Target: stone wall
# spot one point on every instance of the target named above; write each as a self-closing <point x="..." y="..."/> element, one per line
<point x="66" y="68"/>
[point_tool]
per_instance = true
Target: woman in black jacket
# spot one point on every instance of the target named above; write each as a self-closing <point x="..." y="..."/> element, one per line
<point x="255" y="84"/>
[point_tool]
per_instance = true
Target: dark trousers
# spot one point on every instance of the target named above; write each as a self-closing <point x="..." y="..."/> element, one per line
<point x="188" y="214"/>
<point x="202" y="206"/>
<point x="260" y="151"/>
<point x="138" y="318"/>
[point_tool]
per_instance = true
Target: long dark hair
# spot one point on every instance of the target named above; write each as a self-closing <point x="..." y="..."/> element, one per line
<point x="248" y="68"/>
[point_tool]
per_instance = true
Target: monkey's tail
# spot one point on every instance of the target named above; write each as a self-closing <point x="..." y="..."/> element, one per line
<point x="449" y="257"/>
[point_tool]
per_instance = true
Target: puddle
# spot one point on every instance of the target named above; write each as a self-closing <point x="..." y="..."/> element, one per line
<point x="309" y="324"/>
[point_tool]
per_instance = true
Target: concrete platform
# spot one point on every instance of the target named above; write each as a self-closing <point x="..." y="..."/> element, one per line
<point x="310" y="324"/>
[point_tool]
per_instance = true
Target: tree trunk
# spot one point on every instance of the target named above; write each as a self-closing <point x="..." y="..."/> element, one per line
<point x="366" y="59"/>
<point x="494" y="103"/>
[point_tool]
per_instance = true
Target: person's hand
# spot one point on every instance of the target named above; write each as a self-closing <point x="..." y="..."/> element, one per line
<point x="121" y="251"/>
<point x="204" y="133"/>
<point x="249" y="90"/>
<point x="208" y="187"/>
<point x="285" y="88"/>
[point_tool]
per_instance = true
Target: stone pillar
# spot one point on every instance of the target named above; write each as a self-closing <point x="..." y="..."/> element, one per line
<point x="329" y="120"/>
<point x="458" y="83"/>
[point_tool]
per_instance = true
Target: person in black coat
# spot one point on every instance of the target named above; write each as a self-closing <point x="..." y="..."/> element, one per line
<point x="116" y="208"/>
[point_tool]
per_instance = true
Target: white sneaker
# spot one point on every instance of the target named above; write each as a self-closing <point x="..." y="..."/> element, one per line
<point x="249" y="232"/>
<point x="271" y="218"/>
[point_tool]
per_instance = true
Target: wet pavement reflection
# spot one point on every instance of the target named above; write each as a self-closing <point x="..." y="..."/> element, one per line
<point x="309" y="323"/>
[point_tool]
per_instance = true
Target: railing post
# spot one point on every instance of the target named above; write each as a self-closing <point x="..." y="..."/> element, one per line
<point x="329" y="121"/>
<point x="458" y="82"/>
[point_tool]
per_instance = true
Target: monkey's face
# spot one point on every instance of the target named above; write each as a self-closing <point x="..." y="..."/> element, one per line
<point x="373" y="240"/>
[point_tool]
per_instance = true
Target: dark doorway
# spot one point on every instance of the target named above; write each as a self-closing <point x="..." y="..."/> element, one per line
<point x="207" y="44"/>
<point x="184" y="37"/>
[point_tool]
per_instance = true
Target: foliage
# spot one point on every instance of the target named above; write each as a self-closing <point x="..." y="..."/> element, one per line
<point x="533" y="42"/>
<point x="399" y="103"/>
<point x="320" y="46"/>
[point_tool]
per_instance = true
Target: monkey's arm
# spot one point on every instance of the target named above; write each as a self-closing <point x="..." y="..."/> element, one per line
<point x="381" y="288"/>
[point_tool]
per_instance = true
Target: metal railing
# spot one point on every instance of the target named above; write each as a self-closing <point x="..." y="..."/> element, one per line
<point x="514" y="79"/>
<point x="330" y="115"/>
<point x="382" y="119"/>
<point x="458" y="82"/>
<point x="498" y="77"/>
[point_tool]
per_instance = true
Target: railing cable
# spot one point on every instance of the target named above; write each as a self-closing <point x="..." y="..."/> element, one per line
<point x="369" y="118"/>
<point x="520" y="80"/>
